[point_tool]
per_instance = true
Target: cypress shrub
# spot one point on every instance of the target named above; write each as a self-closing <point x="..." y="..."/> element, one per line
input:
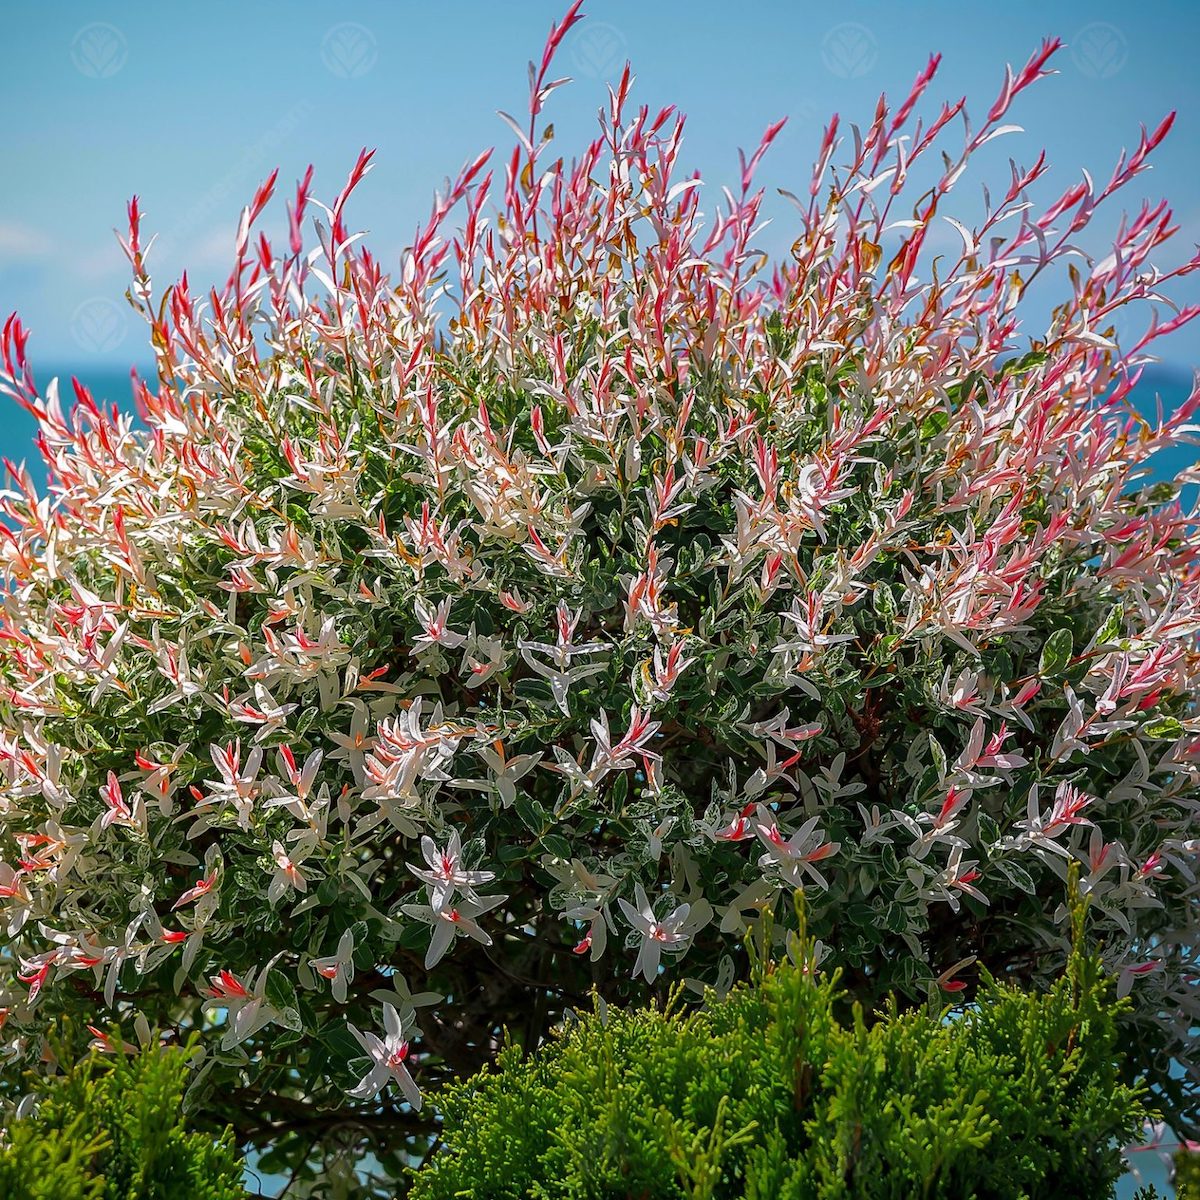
<point x="113" y="1128"/>
<point x="784" y="1091"/>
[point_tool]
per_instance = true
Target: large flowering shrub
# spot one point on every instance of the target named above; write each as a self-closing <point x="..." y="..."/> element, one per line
<point x="440" y="645"/>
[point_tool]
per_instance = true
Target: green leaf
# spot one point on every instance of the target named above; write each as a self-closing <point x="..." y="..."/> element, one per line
<point x="1015" y="874"/>
<point x="533" y="815"/>
<point x="1026" y="363"/>
<point x="289" y="1018"/>
<point x="989" y="830"/>
<point x="939" y="756"/>
<point x="1055" y="654"/>
<point x="1109" y="632"/>
<point x="556" y="844"/>
<point x="536" y="690"/>
<point x="364" y="955"/>
<point x="1163" y="727"/>
<point x="280" y="991"/>
<point x="619" y="791"/>
<point x="934" y="424"/>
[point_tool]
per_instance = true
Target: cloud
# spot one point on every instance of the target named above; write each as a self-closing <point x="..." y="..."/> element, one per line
<point x="207" y="253"/>
<point x="19" y="243"/>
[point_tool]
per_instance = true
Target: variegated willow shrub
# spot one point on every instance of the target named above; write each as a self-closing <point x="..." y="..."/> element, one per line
<point x="436" y="647"/>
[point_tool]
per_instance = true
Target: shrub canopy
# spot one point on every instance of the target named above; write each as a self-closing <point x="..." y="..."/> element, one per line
<point x="436" y="646"/>
<point x="773" y="1094"/>
<point x="111" y="1127"/>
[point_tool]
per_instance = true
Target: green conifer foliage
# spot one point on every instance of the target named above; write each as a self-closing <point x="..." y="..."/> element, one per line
<point x="113" y="1128"/>
<point x="782" y="1091"/>
<point x="1187" y="1174"/>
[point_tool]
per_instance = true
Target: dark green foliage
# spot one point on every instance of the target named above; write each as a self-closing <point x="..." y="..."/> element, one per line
<point x="1187" y="1175"/>
<point x="112" y="1128"/>
<point x="777" y="1092"/>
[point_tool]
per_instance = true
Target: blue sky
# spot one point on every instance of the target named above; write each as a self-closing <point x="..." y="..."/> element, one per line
<point x="191" y="106"/>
